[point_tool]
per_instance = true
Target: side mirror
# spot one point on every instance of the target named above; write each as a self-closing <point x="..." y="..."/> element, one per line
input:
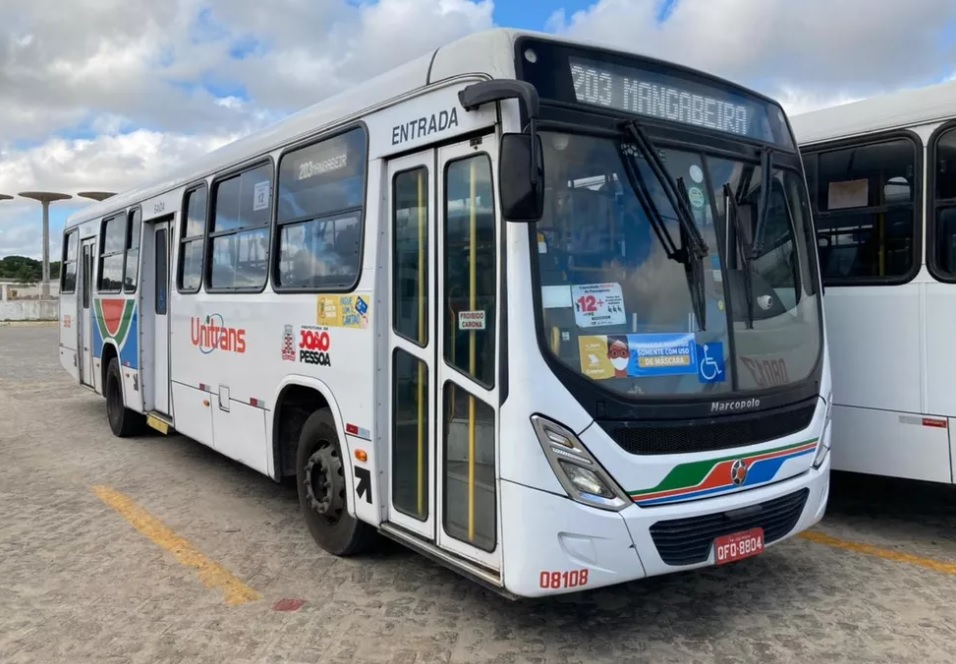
<point x="521" y="178"/>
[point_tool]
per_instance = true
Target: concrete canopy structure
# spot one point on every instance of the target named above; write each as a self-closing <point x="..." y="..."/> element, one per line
<point x="96" y="195"/>
<point x="45" y="198"/>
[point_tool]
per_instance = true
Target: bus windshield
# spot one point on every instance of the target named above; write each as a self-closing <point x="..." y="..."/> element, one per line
<point x="618" y="304"/>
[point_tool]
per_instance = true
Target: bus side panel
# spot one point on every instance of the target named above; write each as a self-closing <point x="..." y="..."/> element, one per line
<point x="940" y="321"/>
<point x="217" y="343"/>
<point x="875" y="339"/>
<point x="191" y="393"/>
<point x="193" y="413"/>
<point x="69" y="359"/>
<point x="889" y="443"/>
<point x="129" y="356"/>
<point x="889" y="363"/>
<point x="116" y="325"/>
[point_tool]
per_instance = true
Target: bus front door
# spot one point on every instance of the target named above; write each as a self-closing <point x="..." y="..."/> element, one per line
<point x="444" y="285"/>
<point x="85" y="310"/>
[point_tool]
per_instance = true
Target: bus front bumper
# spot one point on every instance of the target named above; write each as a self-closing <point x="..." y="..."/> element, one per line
<point x="555" y="545"/>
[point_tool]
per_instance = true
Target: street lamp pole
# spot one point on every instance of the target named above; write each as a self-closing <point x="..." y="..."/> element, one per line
<point x="45" y="198"/>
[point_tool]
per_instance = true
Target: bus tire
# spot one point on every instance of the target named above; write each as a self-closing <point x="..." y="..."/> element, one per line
<point x="123" y="421"/>
<point x="320" y="477"/>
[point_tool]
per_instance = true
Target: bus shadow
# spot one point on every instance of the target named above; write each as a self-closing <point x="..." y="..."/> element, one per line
<point x="693" y="606"/>
<point x="907" y="510"/>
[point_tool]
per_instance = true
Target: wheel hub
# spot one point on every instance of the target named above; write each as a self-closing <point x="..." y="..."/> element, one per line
<point x="324" y="483"/>
<point x="113" y="400"/>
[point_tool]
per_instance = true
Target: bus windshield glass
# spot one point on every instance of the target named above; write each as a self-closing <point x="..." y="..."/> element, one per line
<point x="625" y="298"/>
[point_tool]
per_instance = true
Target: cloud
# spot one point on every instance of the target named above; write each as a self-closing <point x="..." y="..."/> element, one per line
<point x="110" y="162"/>
<point x="102" y="94"/>
<point x="807" y="53"/>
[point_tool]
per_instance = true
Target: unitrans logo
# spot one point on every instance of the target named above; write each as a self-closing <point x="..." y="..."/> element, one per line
<point x="213" y="334"/>
<point x="732" y="406"/>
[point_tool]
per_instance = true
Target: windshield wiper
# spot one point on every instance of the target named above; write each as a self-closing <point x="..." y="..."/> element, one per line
<point x="745" y="249"/>
<point x="697" y="243"/>
<point x="766" y="168"/>
<point x="695" y="280"/>
<point x="693" y="247"/>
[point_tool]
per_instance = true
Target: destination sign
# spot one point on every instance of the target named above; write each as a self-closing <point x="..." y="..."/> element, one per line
<point x="670" y="97"/>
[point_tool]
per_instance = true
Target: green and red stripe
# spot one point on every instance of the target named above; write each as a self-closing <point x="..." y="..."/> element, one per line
<point x="713" y="476"/>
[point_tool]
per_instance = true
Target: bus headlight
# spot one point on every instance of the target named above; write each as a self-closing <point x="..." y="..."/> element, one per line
<point x="824" y="447"/>
<point x="578" y="472"/>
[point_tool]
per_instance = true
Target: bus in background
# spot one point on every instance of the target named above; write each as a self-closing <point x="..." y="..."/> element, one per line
<point x="545" y="312"/>
<point x="882" y="180"/>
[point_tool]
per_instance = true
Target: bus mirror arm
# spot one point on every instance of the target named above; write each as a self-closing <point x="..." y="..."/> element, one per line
<point x="498" y="89"/>
<point x="521" y="178"/>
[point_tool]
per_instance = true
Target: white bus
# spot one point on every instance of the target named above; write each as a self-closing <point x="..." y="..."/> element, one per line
<point x="550" y="369"/>
<point x="882" y="179"/>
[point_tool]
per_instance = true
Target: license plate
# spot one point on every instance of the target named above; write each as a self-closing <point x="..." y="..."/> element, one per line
<point x="738" y="545"/>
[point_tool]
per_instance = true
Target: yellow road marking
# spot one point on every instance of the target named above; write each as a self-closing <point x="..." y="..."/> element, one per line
<point x="210" y="573"/>
<point x="879" y="552"/>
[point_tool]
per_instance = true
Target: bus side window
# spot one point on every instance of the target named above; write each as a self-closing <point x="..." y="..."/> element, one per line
<point x="132" y="250"/>
<point x="191" y="244"/>
<point x="239" y="232"/>
<point x="112" y="254"/>
<point x="864" y="209"/>
<point x="943" y="257"/>
<point x="320" y="212"/>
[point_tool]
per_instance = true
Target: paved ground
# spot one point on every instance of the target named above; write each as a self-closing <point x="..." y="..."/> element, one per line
<point x="80" y="583"/>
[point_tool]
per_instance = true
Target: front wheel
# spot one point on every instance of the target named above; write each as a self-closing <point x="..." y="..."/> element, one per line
<point x="123" y="421"/>
<point x="320" y="475"/>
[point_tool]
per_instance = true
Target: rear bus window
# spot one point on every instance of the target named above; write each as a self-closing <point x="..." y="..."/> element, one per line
<point x="320" y="212"/>
<point x="68" y="270"/>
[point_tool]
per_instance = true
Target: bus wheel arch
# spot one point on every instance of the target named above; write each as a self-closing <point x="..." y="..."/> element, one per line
<point x="293" y="406"/>
<point x="107" y="354"/>
<point x="123" y="421"/>
<point x="309" y="445"/>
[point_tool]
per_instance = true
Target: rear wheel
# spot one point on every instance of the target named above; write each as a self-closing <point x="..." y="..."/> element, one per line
<point x="320" y="475"/>
<point x="123" y="421"/>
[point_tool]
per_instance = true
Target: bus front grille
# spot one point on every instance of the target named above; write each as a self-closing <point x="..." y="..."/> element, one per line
<point x="719" y="433"/>
<point x="689" y="541"/>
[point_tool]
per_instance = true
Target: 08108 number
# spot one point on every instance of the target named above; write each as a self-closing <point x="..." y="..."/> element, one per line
<point x="555" y="580"/>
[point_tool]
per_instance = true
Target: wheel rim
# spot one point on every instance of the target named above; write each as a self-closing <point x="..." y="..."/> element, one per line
<point x="325" y="482"/>
<point x="114" y="401"/>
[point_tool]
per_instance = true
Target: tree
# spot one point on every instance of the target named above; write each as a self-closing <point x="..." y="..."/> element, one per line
<point x="26" y="270"/>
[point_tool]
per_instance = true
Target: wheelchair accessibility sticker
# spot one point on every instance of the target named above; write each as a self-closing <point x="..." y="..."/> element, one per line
<point x="710" y="362"/>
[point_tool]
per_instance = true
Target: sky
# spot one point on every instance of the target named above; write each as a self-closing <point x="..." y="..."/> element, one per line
<point x="104" y="94"/>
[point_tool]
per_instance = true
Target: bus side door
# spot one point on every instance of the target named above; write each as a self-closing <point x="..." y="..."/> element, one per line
<point x="443" y="234"/>
<point x="85" y="312"/>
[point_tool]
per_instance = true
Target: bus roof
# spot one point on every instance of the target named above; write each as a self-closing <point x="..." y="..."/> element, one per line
<point x="905" y="108"/>
<point x="489" y="52"/>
